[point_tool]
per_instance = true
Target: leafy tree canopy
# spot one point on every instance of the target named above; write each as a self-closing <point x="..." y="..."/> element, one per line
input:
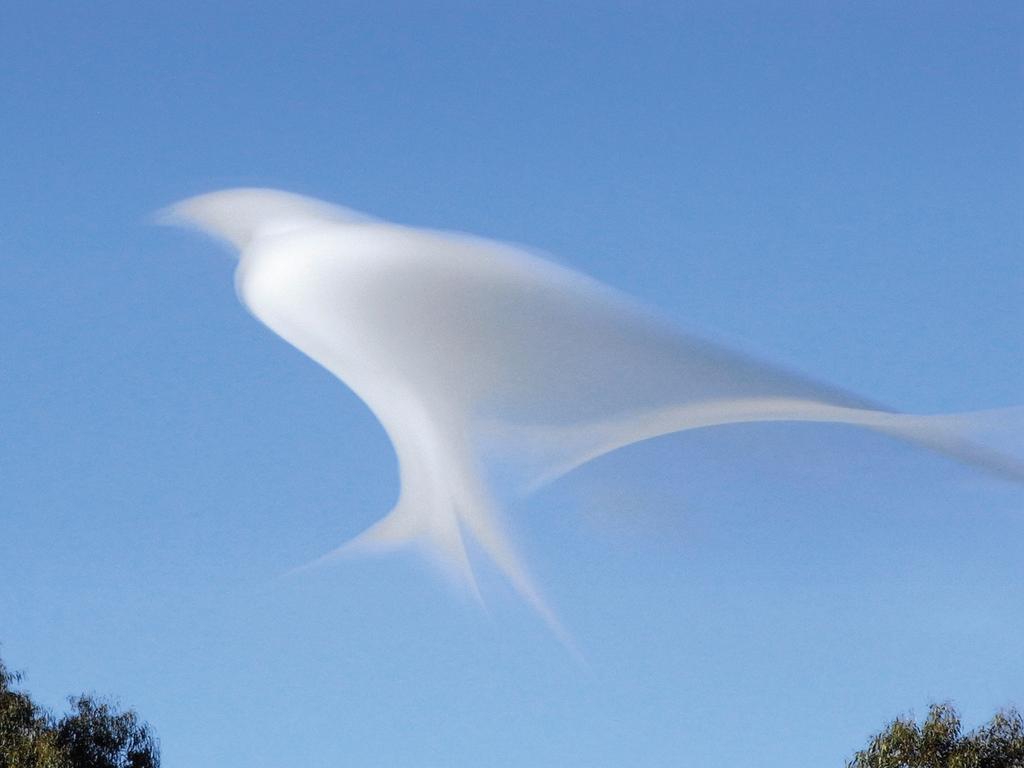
<point x="939" y="742"/>
<point x="94" y="734"/>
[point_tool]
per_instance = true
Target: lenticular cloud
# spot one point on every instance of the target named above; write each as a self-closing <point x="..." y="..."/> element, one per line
<point x="473" y="352"/>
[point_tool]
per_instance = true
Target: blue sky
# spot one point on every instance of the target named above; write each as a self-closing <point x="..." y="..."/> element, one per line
<point x="835" y="186"/>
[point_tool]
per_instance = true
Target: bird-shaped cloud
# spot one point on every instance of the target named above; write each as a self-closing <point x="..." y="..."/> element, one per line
<point x="472" y="352"/>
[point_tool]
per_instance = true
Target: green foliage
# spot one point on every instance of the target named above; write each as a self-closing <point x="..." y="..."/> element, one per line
<point x="939" y="742"/>
<point x="92" y="735"/>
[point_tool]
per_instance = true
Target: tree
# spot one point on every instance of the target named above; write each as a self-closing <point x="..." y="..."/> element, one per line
<point x="94" y="734"/>
<point x="940" y="743"/>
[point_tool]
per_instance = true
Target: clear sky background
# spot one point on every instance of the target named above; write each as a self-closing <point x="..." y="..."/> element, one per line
<point x="837" y="186"/>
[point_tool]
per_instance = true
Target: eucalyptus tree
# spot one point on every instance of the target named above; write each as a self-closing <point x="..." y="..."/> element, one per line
<point x="93" y="734"/>
<point x="939" y="742"/>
